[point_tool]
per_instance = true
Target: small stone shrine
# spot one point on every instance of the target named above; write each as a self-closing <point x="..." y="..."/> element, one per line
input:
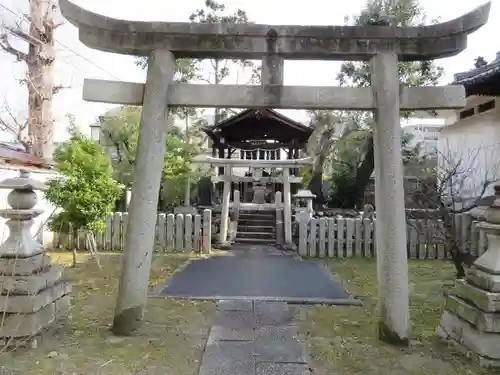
<point x="471" y="319"/>
<point x="32" y="293"/>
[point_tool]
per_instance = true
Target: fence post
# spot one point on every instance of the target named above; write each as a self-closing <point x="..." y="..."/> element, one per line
<point x="162" y="231"/>
<point x="331" y="237"/>
<point x="197" y="237"/>
<point x="116" y="241"/>
<point x="279" y="219"/>
<point x="207" y="231"/>
<point x="188" y="233"/>
<point x="302" y="238"/>
<point x="171" y="232"/>
<point x="107" y="234"/>
<point x="179" y="232"/>
<point x="322" y="238"/>
<point x="124" y="229"/>
<point x="340" y="238"/>
<point x="313" y="237"/>
<point x="349" y="238"/>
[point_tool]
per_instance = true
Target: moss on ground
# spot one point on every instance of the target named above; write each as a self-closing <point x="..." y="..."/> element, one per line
<point x="343" y="340"/>
<point x="170" y="341"/>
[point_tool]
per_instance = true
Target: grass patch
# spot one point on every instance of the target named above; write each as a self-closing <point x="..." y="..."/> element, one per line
<point x="170" y="341"/>
<point x="343" y="340"/>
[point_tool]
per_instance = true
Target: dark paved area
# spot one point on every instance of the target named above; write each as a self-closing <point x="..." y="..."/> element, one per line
<point x="254" y="338"/>
<point x="257" y="273"/>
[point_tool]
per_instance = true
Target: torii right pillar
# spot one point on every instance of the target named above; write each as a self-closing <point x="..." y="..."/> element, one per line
<point x="392" y="260"/>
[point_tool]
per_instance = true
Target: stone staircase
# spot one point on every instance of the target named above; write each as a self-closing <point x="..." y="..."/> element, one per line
<point x="256" y="227"/>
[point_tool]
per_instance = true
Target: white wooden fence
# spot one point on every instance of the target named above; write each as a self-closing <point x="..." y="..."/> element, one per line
<point x="349" y="237"/>
<point x="173" y="233"/>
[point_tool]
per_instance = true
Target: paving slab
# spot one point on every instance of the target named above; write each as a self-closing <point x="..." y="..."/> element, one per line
<point x="235" y="319"/>
<point x="228" y="358"/>
<point x="254" y="338"/>
<point x="282" y="369"/>
<point x="236" y="305"/>
<point x="278" y="344"/>
<point x="218" y="333"/>
<point x="273" y="313"/>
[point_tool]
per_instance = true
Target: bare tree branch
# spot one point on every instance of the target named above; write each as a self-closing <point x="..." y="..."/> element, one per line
<point x="57" y="88"/>
<point x="7" y="47"/>
<point x="455" y="187"/>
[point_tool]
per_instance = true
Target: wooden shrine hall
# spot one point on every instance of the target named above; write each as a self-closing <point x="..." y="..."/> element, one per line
<point x="262" y="134"/>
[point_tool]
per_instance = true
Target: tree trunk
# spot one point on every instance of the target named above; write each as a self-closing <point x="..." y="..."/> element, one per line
<point x="457" y="257"/>
<point x="365" y="170"/>
<point x="458" y="260"/>
<point x="316" y="187"/>
<point x="39" y="79"/>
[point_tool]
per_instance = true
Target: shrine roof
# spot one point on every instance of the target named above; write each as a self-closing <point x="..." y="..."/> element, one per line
<point x="15" y="157"/>
<point x="262" y="124"/>
<point x="482" y="80"/>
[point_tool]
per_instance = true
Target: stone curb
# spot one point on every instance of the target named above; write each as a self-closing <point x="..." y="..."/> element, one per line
<point x="289" y="300"/>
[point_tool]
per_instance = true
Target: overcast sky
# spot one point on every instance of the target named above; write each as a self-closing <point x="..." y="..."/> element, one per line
<point x="76" y="62"/>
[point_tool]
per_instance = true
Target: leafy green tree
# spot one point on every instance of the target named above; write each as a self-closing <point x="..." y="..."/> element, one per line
<point x="357" y="74"/>
<point x="349" y="154"/>
<point x="219" y="70"/>
<point x="213" y="71"/>
<point x="86" y="190"/>
<point x="120" y="128"/>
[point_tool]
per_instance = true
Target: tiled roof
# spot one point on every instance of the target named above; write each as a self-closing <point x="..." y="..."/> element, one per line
<point x="10" y="156"/>
<point x="483" y="74"/>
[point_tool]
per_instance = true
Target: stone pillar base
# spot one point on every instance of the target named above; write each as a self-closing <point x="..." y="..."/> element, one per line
<point x="471" y="320"/>
<point x="290" y="246"/>
<point x="32" y="297"/>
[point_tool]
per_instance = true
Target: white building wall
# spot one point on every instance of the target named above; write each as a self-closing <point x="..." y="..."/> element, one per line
<point x="472" y="143"/>
<point x="424" y="134"/>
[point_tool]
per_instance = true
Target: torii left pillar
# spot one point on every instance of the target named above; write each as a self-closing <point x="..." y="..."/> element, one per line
<point x="139" y="240"/>
<point x="392" y="261"/>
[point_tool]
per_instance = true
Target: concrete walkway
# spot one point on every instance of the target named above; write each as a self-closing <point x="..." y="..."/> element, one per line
<point x="254" y="338"/>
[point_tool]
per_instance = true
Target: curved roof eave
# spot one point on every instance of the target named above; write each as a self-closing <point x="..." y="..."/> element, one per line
<point x="268" y="113"/>
<point x="479" y="74"/>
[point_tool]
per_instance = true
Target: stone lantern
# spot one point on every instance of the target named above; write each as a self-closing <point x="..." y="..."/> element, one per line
<point x="304" y="205"/>
<point x="471" y="319"/>
<point x="21" y="199"/>
<point x="32" y="294"/>
<point x="304" y="199"/>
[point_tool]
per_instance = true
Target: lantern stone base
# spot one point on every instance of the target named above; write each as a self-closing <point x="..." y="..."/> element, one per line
<point x="471" y="320"/>
<point x="32" y="297"/>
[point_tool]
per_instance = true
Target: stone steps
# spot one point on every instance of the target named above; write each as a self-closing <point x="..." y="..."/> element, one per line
<point x="256" y="227"/>
<point x="259" y="223"/>
<point x="266" y="235"/>
<point x="246" y="216"/>
<point x="255" y="241"/>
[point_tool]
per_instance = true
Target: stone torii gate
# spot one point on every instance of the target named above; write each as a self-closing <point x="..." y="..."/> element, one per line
<point x="163" y="42"/>
<point x="287" y="197"/>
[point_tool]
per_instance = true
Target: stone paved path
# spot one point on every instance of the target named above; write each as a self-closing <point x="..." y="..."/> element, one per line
<point x="254" y="338"/>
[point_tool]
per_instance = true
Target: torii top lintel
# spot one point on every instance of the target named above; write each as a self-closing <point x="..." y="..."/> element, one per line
<point x="254" y="41"/>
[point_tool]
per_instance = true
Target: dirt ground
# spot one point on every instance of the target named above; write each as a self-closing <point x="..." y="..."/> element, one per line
<point x="170" y="341"/>
<point x="343" y="340"/>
